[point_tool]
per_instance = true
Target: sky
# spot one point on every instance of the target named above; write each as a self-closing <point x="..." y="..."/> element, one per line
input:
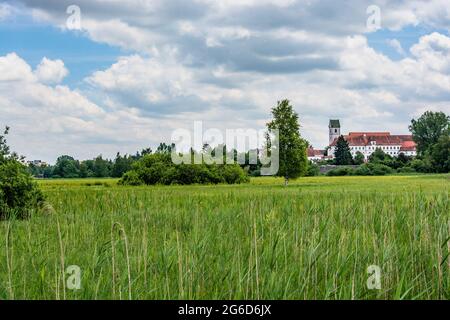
<point x="84" y="77"/>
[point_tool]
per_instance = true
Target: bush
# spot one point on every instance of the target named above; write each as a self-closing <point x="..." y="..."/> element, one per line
<point x="340" y="172"/>
<point x="423" y="166"/>
<point x="19" y="193"/>
<point x="379" y="169"/>
<point x="363" y="170"/>
<point x="131" y="178"/>
<point x="368" y="169"/>
<point x="158" y="168"/>
<point x="313" y="170"/>
<point x="233" y="174"/>
<point x="406" y="170"/>
<point x="255" y="173"/>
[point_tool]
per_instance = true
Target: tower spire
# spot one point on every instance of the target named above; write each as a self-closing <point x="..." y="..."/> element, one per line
<point x="334" y="130"/>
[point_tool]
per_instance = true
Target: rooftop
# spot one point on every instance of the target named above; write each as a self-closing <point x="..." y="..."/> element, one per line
<point x="378" y="138"/>
<point x="334" y="124"/>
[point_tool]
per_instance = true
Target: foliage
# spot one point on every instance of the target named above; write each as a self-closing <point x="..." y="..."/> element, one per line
<point x="440" y="154"/>
<point x="293" y="159"/>
<point x="378" y="169"/>
<point x="313" y="170"/>
<point x="158" y="168"/>
<point x="344" y="171"/>
<point x="367" y="169"/>
<point x="19" y="194"/>
<point x="359" y="158"/>
<point x="122" y="164"/>
<point x="422" y="165"/>
<point x="363" y="170"/>
<point x="67" y="167"/>
<point x="428" y="129"/>
<point x="342" y="153"/>
<point x="406" y="170"/>
<point x="379" y="156"/>
<point x="382" y="158"/>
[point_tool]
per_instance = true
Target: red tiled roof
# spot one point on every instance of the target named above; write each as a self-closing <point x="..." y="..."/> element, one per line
<point x="315" y="153"/>
<point x="408" y="146"/>
<point x="381" y="138"/>
<point x="319" y="152"/>
<point x="373" y="134"/>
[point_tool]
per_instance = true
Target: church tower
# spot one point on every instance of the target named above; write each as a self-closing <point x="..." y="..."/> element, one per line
<point x="334" y="130"/>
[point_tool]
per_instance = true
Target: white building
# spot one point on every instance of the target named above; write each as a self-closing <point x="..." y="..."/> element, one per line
<point x="368" y="142"/>
<point x="315" y="155"/>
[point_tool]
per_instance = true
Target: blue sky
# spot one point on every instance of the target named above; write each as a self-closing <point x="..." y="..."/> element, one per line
<point x="32" y="41"/>
<point x="136" y="72"/>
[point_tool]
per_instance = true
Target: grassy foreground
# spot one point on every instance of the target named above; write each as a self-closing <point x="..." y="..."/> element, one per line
<point x="311" y="240"/>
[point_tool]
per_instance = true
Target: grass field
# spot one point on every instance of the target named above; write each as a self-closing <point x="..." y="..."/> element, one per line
<point x="312" y="240"/>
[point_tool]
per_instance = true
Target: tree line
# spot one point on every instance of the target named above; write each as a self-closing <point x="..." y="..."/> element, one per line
<point x="67" y="167"/>
<point x="430" y="132"/>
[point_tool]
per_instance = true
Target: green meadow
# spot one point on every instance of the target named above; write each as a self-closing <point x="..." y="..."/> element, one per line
<point x="314" y="239"/>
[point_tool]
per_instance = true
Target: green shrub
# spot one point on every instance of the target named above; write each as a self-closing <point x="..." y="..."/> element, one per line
<point x="313" y="170"/>
<point x="363" y="170"/>
<point x="19" y="193"/>
<point x="340" y="172"/>
<point x="367" y="169"/>
<point x="233" y="174"/>
<point x="423" y="166"/>
<point x="131" y="178"/>
<point x="378" y="169"/>
<point x="159" y="169"/>
<point x="255" y="173"/>
<point x="406" y="170"/>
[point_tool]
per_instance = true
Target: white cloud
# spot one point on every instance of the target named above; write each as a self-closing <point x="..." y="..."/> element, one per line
<point x="396" y="45"/>
<point x="5" y="11"/>
<point x="51" y="71"/>
<point x="433" y="50"/>
<point x="49" y="121"/>
<point x="13" y="68"/>
<point x="227" y="63"/>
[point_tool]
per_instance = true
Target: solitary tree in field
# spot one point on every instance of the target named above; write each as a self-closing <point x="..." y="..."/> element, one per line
<point x="428" y="129"/>
<point x="292" y="148"/>
<point x="342" y="153"/>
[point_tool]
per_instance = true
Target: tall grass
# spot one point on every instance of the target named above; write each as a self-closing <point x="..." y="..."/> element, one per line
<point x="311" y="240"/>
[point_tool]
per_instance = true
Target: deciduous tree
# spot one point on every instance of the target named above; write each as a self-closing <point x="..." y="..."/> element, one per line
<point x="292" y="148"/>
<point x="428" y="129"/>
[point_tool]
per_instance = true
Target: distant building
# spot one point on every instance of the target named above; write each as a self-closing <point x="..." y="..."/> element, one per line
<point x="315" y="155"/>
<point x="334" y="129"/>
<point x="368" y="142"/>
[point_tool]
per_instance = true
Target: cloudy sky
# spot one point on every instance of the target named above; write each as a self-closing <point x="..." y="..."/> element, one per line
<point x="137" y="70"/>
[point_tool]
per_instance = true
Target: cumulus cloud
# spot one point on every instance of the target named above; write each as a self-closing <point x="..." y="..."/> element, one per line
<point x="227" y="63"/>
<point x="366" y="89"/>
<point x="396" y="45"/>
<point x="48" y="120"/>
<point x="433" y="51"/>
<point x="51" y="71"/>
<point x="13" y="69"/>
